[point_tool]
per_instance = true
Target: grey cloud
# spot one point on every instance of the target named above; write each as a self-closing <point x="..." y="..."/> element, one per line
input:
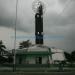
<point x="7" y="13"/>
<point x="63" y="1"/>
<point x="54" y="24"/>
<point x="25" y="21"/>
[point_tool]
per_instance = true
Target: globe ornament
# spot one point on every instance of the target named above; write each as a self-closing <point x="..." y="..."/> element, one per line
<point x="36" y="4"/>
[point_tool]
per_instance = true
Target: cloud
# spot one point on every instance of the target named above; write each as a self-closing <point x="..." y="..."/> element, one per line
<point x="56" y="21"/>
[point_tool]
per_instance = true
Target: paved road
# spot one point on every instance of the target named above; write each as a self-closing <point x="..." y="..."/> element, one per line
<point x="36" y="69"/>
<point x="40" y="73"/>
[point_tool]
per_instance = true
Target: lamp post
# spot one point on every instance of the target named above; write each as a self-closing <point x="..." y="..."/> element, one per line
<point x="14" y="53"/>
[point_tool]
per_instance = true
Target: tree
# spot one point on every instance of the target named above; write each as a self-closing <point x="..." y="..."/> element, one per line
<point x="24" y="44"/>
<point x="2" y="47"/>
<point x="10" y="59"/>
<point x="68" y="56"/>
<point x="73" y="56"/>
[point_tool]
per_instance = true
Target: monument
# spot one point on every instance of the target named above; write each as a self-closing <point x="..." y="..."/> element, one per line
<point x="38" y="8"/>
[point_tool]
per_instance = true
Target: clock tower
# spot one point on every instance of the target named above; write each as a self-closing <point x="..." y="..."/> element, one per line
<point x="38" y="6"/>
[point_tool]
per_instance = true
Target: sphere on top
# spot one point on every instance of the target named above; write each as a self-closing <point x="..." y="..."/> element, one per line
<point x="36" y="4"/>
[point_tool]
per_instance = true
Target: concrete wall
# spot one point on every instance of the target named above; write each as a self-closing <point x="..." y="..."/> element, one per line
<point x="32" y="60"/>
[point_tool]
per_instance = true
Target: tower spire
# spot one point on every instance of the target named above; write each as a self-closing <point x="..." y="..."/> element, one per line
<point x="38" y="9"/>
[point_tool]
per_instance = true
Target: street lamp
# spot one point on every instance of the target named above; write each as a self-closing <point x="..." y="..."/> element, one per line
<point x="14" y="54"/>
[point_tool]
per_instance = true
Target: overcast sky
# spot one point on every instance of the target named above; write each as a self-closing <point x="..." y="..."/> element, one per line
<point x="59" y="23"/>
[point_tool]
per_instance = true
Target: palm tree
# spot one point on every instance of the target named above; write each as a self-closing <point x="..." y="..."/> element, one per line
<point x="2" y="47"/>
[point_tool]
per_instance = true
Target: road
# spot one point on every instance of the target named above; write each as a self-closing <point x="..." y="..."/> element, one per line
<point x="37" y="73"/>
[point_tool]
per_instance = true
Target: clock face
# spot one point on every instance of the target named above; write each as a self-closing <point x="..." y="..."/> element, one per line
<point x="36" y="5"/>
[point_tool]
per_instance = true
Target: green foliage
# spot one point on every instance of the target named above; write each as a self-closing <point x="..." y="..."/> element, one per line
<point x="2" y="47"/>
<point x="24" y="44"/>
<point x="70" y="57"/>
<point x="67" y="56"/>
<point x="73" y="56"/>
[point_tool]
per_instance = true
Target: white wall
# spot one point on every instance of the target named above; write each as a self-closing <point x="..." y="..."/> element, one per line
<point x="44" y="60"/>
<point x="58" y="55"/>
<point x="32" y="60"/>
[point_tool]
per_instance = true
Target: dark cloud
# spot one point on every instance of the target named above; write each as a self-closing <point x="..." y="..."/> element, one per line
<point x="7" y="13"/>
<point x="54" y="23"/>
<point x="25" y="21"/>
